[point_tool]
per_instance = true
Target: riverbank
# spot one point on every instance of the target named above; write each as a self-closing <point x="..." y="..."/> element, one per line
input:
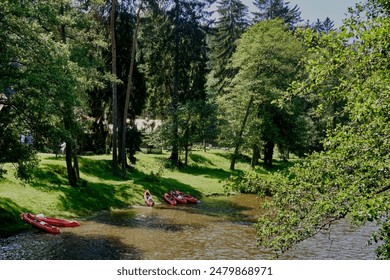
<point x="49" y="193"/>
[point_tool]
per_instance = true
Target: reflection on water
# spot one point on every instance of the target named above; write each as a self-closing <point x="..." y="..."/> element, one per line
<point x="217" y="228"/>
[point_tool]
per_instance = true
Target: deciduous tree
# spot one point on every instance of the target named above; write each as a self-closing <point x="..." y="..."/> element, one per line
<point x="267" y="60"/>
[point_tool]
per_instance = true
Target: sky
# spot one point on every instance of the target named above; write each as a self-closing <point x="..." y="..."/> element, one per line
<point x="336" y="10"/>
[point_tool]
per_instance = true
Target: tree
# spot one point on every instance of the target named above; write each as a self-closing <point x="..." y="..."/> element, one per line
<point x="325" y="26"/>
<point x="71" y="21"/>
<point x="240" y="134"/>
<point x="101" y="101"/>
<point x="273" y="9"/>
<point x="114" y="92"/>
<point x="175" y="62"/>
<point x="267" y="60"/>
<point x="56" y="64"/>
<point x="351" y="177"/>
<point x="231" y="23"/>
<point x="129" y="90"/>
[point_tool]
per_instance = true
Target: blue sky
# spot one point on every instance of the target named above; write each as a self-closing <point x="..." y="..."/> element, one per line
<point x="336" y="10"/>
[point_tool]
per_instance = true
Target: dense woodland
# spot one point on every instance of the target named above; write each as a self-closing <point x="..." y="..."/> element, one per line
<point x="81" y="72"/>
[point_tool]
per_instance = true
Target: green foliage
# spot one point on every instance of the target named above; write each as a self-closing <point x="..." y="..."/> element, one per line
<point x="133" y="143"/>
<point x="267" y="61"/>
<point x="231" y="23"/>
<point x="351" y="177"/>
<point x="250" y="182"/>
<point x="323" y="27"/>
<point x="51" y="59"/>
<point x="159" y="51"/>
<point x="264" y="182"/>
<point x="277" y="9"/>
<point x="22" y="155"/>
<point x="10" y="217"/>
<point x="26" y="166"/>
<point x="175" y="59"/>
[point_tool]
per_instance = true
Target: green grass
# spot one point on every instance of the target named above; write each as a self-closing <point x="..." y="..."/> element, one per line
<point x="50" y="194"/>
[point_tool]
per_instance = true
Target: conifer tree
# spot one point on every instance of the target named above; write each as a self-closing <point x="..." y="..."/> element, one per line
<point x="272" y="9"/>
<point x="174" y="49"/>
<point x="323" y="27"/>
<point x="232" y="22"/>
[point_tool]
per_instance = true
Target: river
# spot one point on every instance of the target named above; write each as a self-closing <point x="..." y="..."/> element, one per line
<point x="218" y="228"/>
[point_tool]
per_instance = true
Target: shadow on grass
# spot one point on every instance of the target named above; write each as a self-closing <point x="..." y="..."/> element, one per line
<point x="277" y="164"/>
<point x="209" y="172"/>
<point x="49" y="174"/>
<point x="241" y="158"/>
<point x="198" y="159"/>
<point x="101" y="168"/>
<point x="10" y="221"/>
<point x="95" y="197"/>
<point x="280" y="165"/>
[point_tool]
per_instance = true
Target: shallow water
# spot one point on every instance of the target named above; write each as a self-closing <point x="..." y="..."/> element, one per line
<point x="218" y="228"/>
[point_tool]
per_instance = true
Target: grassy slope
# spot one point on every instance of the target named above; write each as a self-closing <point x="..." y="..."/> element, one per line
<point x="49" y="193"/>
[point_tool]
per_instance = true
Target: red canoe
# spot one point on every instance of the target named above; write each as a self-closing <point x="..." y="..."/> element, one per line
<point x="187" y="197"/>
<point x="179" y="198"/>
<point x="40" y="224"/>
<point x="148" y="198"/>
<point x="54" y="221"/>
<point x="168" y="198"/>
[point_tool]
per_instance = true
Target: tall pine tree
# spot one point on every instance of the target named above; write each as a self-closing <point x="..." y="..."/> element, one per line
<point x="232" y="21"/>
<point x="323" y="27"/>
<point x="272" y="9"/>
<point x="174" y="51"/>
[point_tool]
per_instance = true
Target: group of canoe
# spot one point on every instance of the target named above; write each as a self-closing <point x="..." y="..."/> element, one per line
<point x="174" y="197"/>
<point x="51" y="225"/>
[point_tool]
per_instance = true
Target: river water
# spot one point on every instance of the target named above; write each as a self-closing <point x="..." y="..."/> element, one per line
<point x="218" y="228"/>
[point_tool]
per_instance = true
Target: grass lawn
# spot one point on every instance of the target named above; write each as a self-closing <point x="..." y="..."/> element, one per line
<point x="49" y="193"/>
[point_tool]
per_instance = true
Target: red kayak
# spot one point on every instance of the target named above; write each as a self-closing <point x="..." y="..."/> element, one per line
<point x="168" y="198"/>
<point x="40" y="224"/>
<point x="148" y="198"/>
<point x="179" y="198"/>
<point x="54" y="221"/>
<point x="187" y="197"/>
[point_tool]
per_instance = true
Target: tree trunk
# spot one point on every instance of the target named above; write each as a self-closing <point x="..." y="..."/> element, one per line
<point x="70" y="154"/>
<point x="72" y="178"/>
<point x="76" y="164"/>
<point x="268" y="153"/>
<point x="186" y="155"/>
<point x="175" y="135"/>
<point x="239" y="138"/>
<point x="128" y="92"/>
<point x="115" y="170"/>
<point x="255" y="155"/>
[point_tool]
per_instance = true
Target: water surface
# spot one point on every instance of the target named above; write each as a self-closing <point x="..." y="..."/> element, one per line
<point x="218" y="228"/>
